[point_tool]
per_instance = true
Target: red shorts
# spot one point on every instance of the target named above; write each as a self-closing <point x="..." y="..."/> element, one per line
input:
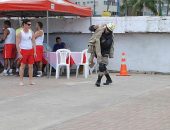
<point x="9" y="51"/>
<point x="28" y="56"/>
<point x="39" y="52"/>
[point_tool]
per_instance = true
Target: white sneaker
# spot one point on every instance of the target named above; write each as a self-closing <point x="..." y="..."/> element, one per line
<point x="39" y="74"/>
<point x="17" y="70"/>
<point x="5" y="73"/>
<point x="10" y="72"/>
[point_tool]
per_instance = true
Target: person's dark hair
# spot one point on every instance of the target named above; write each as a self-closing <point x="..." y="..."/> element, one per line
<point x="92" y="28"/>
<point x="25" y="21"/>
<point x="57" y="38"/>
<point x="7" y="22"/>
<point x="40" y="24"/>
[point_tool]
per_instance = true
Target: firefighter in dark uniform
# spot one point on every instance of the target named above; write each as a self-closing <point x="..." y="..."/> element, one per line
<point x="106" y="48"/>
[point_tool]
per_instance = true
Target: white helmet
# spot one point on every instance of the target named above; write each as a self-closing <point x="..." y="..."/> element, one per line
<point x="110" y="26"/>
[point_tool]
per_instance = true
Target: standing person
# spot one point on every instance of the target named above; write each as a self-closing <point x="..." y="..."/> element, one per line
<point x="26" y="48"/>
<point x="39" y="38"/>
<point x="104" y="52"/>
<point x="59" y="44"/>
<point x="18" y="30"/>
<point x="94" y="42"/>
<point x="9" y="51"/>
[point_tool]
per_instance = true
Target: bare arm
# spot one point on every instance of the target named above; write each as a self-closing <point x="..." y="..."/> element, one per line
<point x="5" y="34"/>
<point x="18" y="40"/>
<point x="38" y="34"/>
<point x="34" y="44"/>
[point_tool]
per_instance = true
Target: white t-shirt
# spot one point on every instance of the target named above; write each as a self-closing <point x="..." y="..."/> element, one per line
<point x="10" y="39"/>
<point x="26" y="40"/>
<point x="39" y="40"/>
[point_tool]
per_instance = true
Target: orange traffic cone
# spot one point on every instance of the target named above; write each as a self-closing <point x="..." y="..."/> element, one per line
<point x="123" y="68"/>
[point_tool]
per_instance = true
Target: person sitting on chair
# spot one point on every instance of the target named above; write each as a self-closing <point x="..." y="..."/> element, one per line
<point x="59" y="44"/>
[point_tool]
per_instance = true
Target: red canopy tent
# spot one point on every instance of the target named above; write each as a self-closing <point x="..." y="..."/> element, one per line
<point x="42" y="8"/>
<point x="39" y="8"/>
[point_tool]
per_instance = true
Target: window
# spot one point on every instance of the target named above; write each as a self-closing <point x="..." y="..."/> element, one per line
<point x="88" y="2"/>
<point x="105" y="2"/>
<point x="111" y="2"/>
<point x="91" y="2"/>
<point x="114" y="3"/>
<point x="84" y="3"/>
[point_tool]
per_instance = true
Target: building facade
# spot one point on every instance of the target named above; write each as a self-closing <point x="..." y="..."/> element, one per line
<point x="99" y="6"/>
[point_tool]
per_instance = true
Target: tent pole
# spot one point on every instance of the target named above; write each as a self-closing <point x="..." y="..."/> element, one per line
<point x="47" y="28"/>
<point x="47" y="24"/>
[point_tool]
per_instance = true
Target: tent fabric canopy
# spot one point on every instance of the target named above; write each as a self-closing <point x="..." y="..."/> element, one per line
<point x="39" y="8"/>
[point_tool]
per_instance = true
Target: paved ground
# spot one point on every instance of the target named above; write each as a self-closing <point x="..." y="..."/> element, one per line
<point x="137" y="102"/>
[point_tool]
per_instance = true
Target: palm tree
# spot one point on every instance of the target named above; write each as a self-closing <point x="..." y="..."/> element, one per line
<point x="124" y="8"/>
<point x="138" y="5"/>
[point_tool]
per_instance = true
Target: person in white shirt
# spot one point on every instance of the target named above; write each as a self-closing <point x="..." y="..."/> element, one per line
<point x="39" y="38"/>
<point x="9" y="51"/>
<point x="26" y="47"/>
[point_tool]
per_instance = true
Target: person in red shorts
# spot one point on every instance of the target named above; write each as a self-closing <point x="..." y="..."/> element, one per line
<point x="9" y="51"/>
<point x="39" y="38"/>
<point x="25" y="42"/>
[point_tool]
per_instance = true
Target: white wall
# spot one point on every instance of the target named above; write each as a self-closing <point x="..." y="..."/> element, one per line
<point x="145" y="40"/>
<point x="123" y="24"/>
<point x="144" y="52"/>
<point x="77" y="42"/>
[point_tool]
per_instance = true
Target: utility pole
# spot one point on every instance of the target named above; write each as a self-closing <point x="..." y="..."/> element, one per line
<point x="126" y="7"/>
<point x="160" y="7"/>
<point x="94" y="10"/>
<point x="118" y="7"/>
<point x="108" y="4"/>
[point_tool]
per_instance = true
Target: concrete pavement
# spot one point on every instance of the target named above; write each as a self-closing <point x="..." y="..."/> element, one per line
<point x="137" y="102"/>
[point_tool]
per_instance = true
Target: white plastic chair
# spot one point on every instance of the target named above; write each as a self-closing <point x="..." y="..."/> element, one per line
<point x="61" y="59"/>
<point x="85" y="65"/>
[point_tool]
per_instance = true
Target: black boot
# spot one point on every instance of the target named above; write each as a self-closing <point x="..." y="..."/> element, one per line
<point x="108" y="79"/>
<point x="99" y="80"/>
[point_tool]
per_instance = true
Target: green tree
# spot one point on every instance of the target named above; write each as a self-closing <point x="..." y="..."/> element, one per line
<point x="160" y="4"/>
<point x="124" y="8"/>
<point x="136" y="6"/>
<point x="168" y="2"/>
